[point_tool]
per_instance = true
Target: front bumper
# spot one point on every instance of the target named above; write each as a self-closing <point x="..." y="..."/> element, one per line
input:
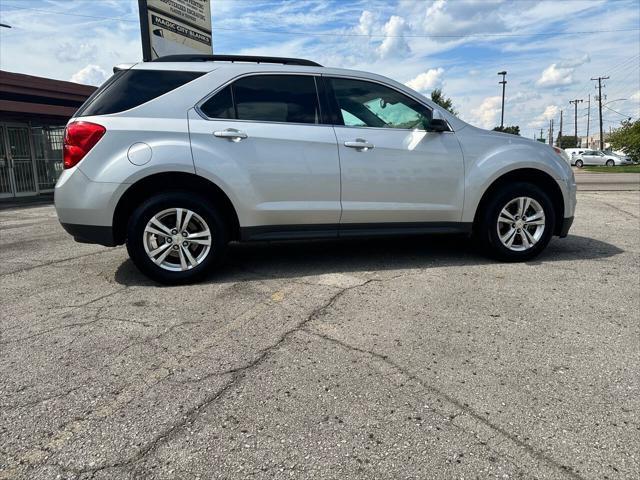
<point x="91" y="234"/>
<point x="566" y="225"/>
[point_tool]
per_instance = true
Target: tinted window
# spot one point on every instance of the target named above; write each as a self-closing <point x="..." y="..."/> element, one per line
<point x="131" y="88"/>
<point x="373" y="105"/>
<point x="220" y="105"/>
<point x="277" y="98"/>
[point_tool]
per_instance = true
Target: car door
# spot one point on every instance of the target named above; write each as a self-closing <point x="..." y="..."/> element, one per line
<point x="392" y="168"/>
<point x="262" y="138"/>
<point x="592" y="158"/>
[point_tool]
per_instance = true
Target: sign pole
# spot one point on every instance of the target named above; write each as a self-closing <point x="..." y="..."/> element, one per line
<point x="144" y="30"/>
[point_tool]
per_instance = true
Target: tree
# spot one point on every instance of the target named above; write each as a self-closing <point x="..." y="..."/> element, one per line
<point x="438" y="97"/>
<point x="513" y="130"/>
<point x="627" y="139"/>
<point x="566" y="141"/>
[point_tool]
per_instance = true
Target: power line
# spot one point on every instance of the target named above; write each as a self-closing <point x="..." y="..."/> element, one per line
<point x="615" y="111"/>
<point x="338" y="34"/>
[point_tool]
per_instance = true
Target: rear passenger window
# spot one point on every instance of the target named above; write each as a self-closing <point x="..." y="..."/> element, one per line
<point x="267" y="98"/>
<point x="220" y="105"/>
<point x="131" y="88"/>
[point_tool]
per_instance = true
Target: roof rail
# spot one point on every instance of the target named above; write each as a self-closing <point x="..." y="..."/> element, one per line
<point x="237" y="58"/>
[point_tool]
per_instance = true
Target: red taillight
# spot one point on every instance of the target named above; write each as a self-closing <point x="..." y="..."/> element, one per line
<point x="558" y="150"/>
<point x="79" y="138"/>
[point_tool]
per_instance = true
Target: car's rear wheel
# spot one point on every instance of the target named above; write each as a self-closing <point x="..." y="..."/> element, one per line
<point x="610" y="163"/>
<point x="517" y="223"/>
<point x="579" y="163"/>
<point x="176" y="237"/>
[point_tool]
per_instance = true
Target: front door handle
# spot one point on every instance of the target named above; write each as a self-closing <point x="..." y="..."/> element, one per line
<point x="359" y="144"/>
<point x="230" y="133"/>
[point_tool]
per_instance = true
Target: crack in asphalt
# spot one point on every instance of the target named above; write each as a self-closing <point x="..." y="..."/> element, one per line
<point x="96" y="318"/>
<point x="53" y="262"/>
<point x="469" y="411"/>
<point x="237" y="374"/>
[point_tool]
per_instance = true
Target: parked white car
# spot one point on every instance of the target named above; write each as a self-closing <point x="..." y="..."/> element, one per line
<point x="574" y="152"/>
<point x="596" y="157"/>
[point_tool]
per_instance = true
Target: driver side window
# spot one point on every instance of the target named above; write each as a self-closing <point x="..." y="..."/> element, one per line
<point x="368" y="104"/>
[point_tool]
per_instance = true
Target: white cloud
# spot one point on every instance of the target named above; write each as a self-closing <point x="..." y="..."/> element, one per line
<point x="575" y="62"/>
<point x="394" y="43"/>
<point x="427" y="81"/>
<point x="561" y="73"/>
<point x="635" y="97"/>
<point x="551" y="111"/>
<point x="487" y="113"/>
<point x="365" y="23"/>
<point x="90" y="75"/>
<point x="554" y="76"/>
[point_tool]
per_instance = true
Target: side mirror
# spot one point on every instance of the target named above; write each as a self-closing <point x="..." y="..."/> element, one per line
<point x="438" y="125"/>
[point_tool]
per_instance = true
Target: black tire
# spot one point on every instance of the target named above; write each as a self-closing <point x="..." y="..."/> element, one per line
<point x="610" y="163"/>
<point x="152" y="206"/>
<point x="486" y="230"/>
<point x="579" y="163"/>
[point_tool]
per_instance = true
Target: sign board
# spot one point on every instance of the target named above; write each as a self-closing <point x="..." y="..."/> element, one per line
<point x="171" y="27"/>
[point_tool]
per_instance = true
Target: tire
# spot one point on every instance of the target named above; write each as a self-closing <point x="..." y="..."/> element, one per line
<point x="610" y="163"/>
<point x="192" y="260"/>
<point x="579" y="163"/>
<point x="489" y="229"/>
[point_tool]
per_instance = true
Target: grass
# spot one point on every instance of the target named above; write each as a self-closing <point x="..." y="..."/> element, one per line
<point x="614" y="169"/>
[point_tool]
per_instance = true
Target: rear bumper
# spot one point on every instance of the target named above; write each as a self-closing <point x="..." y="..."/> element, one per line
<point x="566" y="225"/>
<point x="90" y="234"/>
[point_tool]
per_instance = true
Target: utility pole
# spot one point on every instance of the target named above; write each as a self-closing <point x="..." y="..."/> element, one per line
<point x="559" y="142"/>
<point x="575" y="134"/>
<point x="503" y="83"/>
<point x="551" y="132"/>
<point x="588" y="117"/>
<point x="599" y="79"/>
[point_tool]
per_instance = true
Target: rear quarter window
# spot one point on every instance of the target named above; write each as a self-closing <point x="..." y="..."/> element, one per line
<point x="131" y="88"/>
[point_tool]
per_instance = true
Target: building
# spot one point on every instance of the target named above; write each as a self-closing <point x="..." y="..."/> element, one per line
<point x="33" y="113"/>
<point x="593" y="141"/>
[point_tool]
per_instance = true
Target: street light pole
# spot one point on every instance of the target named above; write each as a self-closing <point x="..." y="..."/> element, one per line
<point x="503" y="82"/>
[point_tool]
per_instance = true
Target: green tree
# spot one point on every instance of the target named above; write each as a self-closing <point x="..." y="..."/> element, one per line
<point x="513" y="129"/>
<point x="566" y="141"/>
<point x="438" y="97"/>
<point x="627" y="138"/>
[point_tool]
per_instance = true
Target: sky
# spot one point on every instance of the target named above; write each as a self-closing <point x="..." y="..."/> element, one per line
<point x="550" y="49"/>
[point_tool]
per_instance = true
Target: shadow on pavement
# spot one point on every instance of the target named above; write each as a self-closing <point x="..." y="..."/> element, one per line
<point x="297" y="259"/>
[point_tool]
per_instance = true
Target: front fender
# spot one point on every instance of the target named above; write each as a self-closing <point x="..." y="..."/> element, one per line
<point x="490" y="156"/>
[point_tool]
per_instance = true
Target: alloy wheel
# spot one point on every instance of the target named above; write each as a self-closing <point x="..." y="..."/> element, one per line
<point x="521" y="224"/>
<point x="177" y="239"/>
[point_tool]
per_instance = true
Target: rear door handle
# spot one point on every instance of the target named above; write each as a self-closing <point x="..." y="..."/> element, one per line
<point x="359" y="144"/>
<point x="230" y="133"/>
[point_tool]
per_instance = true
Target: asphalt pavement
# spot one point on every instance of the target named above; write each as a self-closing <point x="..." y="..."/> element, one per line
<point x="400" y="359"/>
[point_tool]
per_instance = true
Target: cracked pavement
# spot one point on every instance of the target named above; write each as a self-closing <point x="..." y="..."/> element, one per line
<point x="402" y="358"/>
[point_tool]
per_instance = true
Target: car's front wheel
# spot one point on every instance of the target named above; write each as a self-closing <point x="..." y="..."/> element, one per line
<point x="579" y="163"/>
<point x="176" y="237"/>
<point x="610" y="163"/>
<point x="517" y="223"/>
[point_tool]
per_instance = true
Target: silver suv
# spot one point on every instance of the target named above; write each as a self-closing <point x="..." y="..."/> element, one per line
<point x="180" y="156"/>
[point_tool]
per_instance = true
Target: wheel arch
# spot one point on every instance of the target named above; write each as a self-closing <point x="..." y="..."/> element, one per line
<point x="530" y="175"/>
<point x="171" y="181"/>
